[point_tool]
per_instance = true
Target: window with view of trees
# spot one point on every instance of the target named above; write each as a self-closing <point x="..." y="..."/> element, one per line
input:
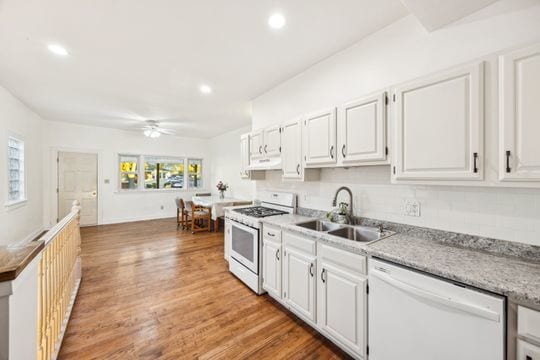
<point x="129" y="176"/>
<point x="163" y="173"/>
<point x="159" y="172"/>
<point x="195" y="173"/>
<point x="16" y="177"/>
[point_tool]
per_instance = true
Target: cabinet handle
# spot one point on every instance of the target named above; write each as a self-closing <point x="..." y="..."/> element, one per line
<point x="311" y="269"/>
<point x="332" y="151"/>
<point x="508" y="161"/>
<point x="265" y="149"/>
<point x="277" y="255"/>
<point x="475" y="158"/>
<point x="260" y="149"/>
<point x="270" y="234"/>
<point x="343" y="150"/>
<point x="298" y="169"/>
<point x="323" y="278"/>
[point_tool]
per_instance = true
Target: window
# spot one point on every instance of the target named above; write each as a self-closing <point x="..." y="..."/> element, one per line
<point x="129" y="176"/>
<point x="16" y="179"/>
<point x="163" y="173"/>
<point x="159" y="172"/>
<point x="195" y="173"/>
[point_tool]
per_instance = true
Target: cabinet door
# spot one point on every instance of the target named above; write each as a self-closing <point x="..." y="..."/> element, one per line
<point x="299" y="282"/>
<point x="291" y="155"/>
<point x="244" y="156"/>
<point x="342" y="306"/>
<point x="520" y="115"/>
<point x="439" y="126"/>
<point x="272" y="268"/>
<point x="227" y="238"/>
<point x="362" y="130"/>
<point x="320" y="138"/>
<point x="272" y="141"/>
<point x="256" y="145"/>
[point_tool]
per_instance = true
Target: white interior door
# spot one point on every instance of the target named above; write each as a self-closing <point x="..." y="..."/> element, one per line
<point x="77" y="180"/>
<point x="520" y="115"/>
<point x="439" y="126"/>
<point x="362" y="130"/>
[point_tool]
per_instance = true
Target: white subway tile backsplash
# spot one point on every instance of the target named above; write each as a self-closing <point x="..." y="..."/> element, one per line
<point x="502" y="213"/>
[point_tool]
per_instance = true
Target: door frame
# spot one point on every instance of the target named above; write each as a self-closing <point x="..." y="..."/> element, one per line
<point x="54" y="183"/>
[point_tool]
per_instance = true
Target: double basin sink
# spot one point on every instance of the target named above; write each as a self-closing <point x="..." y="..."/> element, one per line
<point x="358" y="233"/>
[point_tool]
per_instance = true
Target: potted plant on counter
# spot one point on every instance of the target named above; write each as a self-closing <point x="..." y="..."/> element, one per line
<point x="222" y="187"/>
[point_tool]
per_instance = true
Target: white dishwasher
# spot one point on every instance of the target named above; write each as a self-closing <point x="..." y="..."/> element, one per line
<point x="413" y="316"/>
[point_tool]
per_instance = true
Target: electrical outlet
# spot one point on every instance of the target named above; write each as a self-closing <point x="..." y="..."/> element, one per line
<point x="411" y="207"/>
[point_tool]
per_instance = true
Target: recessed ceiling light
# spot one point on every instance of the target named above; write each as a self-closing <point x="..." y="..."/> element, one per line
<point x="58" y="50"/>
<point x="205" y="89"/>
<point x="276" y="21"/>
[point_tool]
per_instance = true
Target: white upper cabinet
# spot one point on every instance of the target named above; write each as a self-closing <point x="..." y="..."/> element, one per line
<point x="320" y="138"/>
<point x="244" y="156"/>
<point x="519" y="113"/>
<point x="256" y="145"/>
<point x="439" y="126"/>
<point x="291" y="156"/>
<point x="362" y="131"/>
<point x="272" y="141"/>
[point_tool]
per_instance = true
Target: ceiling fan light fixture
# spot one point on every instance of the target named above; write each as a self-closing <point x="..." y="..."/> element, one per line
<point x="155" y="134"/>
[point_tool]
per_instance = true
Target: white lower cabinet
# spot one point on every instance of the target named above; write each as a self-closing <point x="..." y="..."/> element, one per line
<point x="272" y="267"/>
<point x="323" y="285"/>
<point x="299" y="269"/>
<point x="342" y="298"/>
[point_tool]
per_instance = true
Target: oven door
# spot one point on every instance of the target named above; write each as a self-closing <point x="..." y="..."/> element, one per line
<point x="245" y="246"/>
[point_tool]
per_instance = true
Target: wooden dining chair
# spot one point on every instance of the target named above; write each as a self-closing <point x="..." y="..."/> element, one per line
<point x="198" y="217"/>
<point x="181" y="214"/>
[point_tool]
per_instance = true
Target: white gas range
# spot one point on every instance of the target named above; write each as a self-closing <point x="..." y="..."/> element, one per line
<point x="246" y="241"/>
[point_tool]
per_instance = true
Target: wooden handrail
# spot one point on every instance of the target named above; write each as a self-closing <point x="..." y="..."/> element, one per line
<point x="58" y="282"/>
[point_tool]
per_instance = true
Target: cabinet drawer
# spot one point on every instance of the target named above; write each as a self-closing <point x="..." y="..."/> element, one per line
<point x="300" y="242"/>
<point x="348" y="260"/>
<point x="272" y="233"/>
<point x="528" y="322"/>
<point x="527" y="351"/>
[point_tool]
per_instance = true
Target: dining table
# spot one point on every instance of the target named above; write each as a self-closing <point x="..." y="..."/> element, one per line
<point x="217" y="205"/>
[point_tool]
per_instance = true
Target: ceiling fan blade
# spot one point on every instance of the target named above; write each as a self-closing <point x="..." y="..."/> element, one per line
<point x="167" y="131"/>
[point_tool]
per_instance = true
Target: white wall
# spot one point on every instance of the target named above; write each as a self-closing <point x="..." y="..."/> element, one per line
<point x="114" y="206"/>
<point x="20" y="222"/>
<point x="400" y="52"/>
<point x="225" y="159"/>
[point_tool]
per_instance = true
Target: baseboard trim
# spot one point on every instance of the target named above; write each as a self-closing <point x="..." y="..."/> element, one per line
<point x="135" y="219"/>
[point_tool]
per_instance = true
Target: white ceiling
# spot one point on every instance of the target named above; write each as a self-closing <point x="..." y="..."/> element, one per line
<point x="132" y="60"/>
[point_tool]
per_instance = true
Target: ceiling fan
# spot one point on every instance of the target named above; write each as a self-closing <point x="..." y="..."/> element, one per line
<point x="153" y="130"/>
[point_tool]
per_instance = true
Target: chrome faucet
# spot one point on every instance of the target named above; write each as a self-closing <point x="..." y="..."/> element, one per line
<point x="334" y="202"/>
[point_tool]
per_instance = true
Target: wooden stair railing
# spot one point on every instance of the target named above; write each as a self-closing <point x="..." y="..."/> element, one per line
<point x="58" y="282"/>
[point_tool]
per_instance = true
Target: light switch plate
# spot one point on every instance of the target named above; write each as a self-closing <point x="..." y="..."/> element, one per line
<point x="411" y="207"/>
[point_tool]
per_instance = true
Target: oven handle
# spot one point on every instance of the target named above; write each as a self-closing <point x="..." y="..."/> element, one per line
<point x="436" y="298"/>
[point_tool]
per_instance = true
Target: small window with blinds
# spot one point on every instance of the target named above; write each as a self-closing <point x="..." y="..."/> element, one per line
<point x="16" y="173"/>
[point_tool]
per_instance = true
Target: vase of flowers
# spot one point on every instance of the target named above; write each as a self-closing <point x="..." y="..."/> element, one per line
<point x="222" y="187"/>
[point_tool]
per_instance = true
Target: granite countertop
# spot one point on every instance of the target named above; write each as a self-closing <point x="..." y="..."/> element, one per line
<point x="516" y="278"/>
<point x="13" y="259"/>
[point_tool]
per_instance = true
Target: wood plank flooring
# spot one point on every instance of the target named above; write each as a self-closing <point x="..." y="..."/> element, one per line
<point x="152" y="292"/>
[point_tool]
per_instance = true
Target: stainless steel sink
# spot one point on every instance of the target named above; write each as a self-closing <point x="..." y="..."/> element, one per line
<point x="320" y="225"/>
<point x="360" y="233"/>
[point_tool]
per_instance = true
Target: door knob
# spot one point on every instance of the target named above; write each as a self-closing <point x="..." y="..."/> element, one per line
<point x="94" y="193"/>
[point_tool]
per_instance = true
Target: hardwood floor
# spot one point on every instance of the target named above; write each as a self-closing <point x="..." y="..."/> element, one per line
<point x="152" y="292"/>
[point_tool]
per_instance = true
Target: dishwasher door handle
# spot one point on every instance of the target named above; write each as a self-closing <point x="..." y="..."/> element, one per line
<point x="436" y="298"/>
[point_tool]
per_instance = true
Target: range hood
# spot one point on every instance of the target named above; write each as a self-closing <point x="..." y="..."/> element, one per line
<point x="266" y="164"/>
